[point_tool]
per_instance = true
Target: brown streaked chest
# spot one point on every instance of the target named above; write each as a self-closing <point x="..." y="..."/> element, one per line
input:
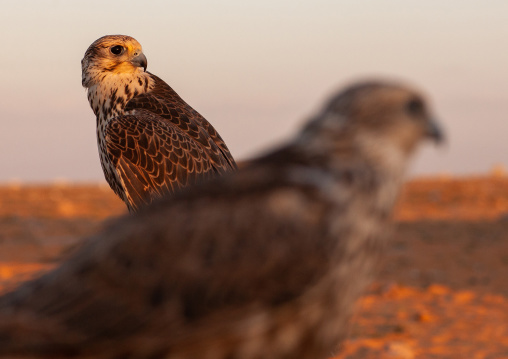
<point x="107" y="99"/>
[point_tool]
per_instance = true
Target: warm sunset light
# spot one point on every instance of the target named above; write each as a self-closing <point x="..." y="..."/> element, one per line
<point x="222" y="179"/>
<point x="255" y="69"/>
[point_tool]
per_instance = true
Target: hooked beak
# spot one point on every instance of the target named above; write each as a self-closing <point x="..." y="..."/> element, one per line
<point x="140" y="61"/>
<point x="434" y="132"/>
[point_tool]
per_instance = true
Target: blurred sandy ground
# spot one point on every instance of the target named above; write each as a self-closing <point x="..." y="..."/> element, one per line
<point x="442" y="292"/>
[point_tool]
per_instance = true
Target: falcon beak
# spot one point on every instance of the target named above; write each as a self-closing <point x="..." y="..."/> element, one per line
<point x="434" y="132"/>
<point x="140" y="61"/>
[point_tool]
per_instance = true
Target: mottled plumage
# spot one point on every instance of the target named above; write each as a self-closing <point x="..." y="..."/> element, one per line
<point x="264" y="263"/>
<point x="151" y="142"/>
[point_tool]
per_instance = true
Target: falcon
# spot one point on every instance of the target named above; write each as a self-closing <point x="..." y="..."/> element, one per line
<point x="265" y="263"/>
<point x="151" y="142"/>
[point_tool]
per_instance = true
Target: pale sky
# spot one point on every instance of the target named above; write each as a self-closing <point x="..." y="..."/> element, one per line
<point x="256" y="69"/>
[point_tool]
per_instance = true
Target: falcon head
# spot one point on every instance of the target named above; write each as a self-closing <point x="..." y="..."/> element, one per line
<point x="376" y="116"/>
<point x="114" y="54"/>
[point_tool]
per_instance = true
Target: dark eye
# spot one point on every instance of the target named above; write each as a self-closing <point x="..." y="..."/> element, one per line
<point x="117" y="50"/>
<point x="415" y="107"/>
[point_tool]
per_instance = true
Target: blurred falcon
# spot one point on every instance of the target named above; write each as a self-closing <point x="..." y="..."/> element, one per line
<point x="151" y="142"/>
<point x="265" y="263"/>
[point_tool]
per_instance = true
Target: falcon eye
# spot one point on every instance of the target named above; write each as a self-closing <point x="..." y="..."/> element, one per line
<point x="117" y="50"/>
<point x="415" y="107"/>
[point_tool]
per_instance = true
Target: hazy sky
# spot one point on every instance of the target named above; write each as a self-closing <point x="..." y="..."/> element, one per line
<point x="256" y="69"/>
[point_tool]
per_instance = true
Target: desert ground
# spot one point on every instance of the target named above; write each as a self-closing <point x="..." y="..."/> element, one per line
<point x="442" y="291"/>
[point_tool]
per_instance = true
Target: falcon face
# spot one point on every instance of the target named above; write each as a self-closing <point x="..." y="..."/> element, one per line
<point x="394" y="113"/>
<point x="385" y="120"/>
<point x="117" y="54"/>
<point x="151" y="142"/>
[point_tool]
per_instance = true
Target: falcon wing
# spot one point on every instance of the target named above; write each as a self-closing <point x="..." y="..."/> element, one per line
<point x="165" y="102"/>
<point x="153" y="157"/>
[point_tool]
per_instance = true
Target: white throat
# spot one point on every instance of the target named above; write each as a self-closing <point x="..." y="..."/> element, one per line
<point x="109" y="95"/>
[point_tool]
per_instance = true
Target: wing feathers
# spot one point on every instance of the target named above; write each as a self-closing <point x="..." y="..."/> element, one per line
<point x="165" y="102"/>
<point x="160" y="145"/>
<point x="153" y="157"/>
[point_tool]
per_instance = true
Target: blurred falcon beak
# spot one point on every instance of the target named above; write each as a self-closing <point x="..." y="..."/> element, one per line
<point x="435" y="132"/>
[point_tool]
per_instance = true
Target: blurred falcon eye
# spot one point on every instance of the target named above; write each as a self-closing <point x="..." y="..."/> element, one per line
<point x="117" y="50"/>
<point x="415" y="107"/>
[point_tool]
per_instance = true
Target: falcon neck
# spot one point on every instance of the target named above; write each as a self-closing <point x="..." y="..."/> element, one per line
<point x="109" y="95"/>
<point x="373" y="168"/>
<point x="337" y="149"/>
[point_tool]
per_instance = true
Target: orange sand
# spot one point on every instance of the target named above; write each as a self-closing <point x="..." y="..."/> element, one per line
<point x="442" y="292"/>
